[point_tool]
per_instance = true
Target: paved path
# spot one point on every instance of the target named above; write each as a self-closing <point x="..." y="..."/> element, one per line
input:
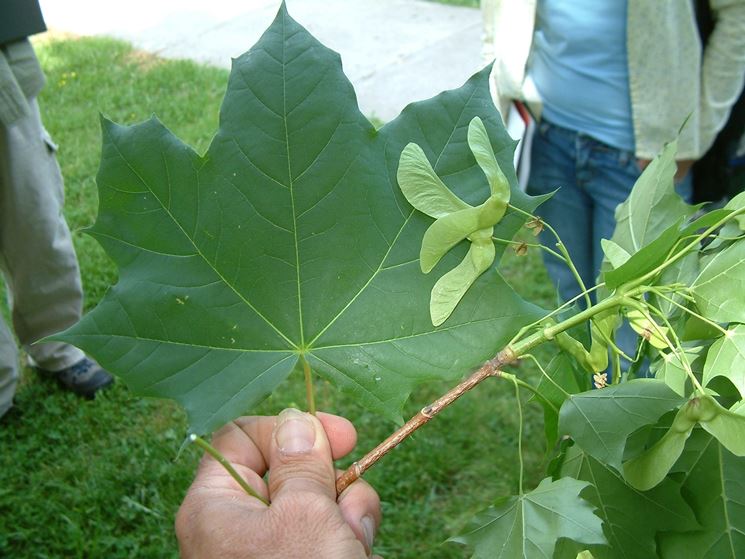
<point x="394" y="51"/>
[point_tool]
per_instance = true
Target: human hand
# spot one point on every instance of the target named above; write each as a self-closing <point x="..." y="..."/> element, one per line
<point x="219" y="520"/>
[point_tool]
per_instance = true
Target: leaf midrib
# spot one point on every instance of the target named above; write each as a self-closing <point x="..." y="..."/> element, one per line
<point x="291" y="180"/>
<point x="725" y="502"/>
<point x="601" y="501"/>
<point x="392" y="244"/>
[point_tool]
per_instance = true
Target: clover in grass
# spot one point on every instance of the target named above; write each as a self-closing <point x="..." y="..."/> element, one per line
<point x="455" y="220"/>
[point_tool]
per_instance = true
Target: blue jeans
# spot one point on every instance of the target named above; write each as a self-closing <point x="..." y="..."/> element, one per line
<point x="593" y="178"/>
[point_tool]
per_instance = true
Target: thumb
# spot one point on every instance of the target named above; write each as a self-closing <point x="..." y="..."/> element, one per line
<point x="300" y="457"/>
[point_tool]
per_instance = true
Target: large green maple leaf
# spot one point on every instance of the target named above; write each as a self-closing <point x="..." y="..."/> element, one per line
<point x="529" y="525"/>
<point x="632" y="519"/>
<point x="714" y="485"/>
<point x="290" y="240"/>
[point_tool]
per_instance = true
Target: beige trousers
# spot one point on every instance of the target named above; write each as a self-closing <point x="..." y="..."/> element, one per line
<point x="37" y="258"/>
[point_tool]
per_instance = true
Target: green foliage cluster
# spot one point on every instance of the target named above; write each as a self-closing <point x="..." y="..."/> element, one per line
<point x="289" y="245"/>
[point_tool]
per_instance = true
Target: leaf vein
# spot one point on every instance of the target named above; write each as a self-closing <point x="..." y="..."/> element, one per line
<point x="211" y="265"/>
<point x="330" y="191"/>
<point x="433" y="332"/>
<point x="259" y="169"/>
<point x="369" y="281"/>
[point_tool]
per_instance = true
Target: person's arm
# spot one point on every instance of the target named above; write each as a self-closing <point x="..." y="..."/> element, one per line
<point x="723" y="67"/>
<point x="722" y="74"/>
<point x="219" y="520"/>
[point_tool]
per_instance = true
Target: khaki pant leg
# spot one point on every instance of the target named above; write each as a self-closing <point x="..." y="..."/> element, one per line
<point x="38" y="257"/>
<point x="8" y="368"/>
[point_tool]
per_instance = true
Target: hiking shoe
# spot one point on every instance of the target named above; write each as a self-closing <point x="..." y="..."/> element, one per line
<point x="85" y="378"/>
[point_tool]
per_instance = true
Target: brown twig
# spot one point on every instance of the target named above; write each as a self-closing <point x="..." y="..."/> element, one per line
<point x="489" y="369"/>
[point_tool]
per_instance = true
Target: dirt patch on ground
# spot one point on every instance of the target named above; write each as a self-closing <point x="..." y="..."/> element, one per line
<point x="140" y="58"/>
<point x="53" y="35"/>
<point x="143" y="60"/>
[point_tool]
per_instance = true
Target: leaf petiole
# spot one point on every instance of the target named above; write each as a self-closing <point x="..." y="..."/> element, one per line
<point x="531" y="245"/>
<point x="546" y="375"/>
<point x="564" y="252"/>
<point x="525" y="329"/>
<point x="519" y="433"/>
<point x="613" y="346"/>
<point x="616" y="363"/>
<point x="522" y="383"/>
<point x="686" y="309"/>
<point x="309" y="391"/>
<point x="217" y="455"/>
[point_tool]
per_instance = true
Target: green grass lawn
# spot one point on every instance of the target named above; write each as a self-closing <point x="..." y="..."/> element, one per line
<point x="103" y="478"/>
<point x="468" y="3"/>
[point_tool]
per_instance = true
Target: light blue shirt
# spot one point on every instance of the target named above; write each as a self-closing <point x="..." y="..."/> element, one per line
<point x="579" y="66"/>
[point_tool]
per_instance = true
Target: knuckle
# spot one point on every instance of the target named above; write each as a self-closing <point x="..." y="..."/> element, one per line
<point x="360" y="494"/>
<point x="296" y="473"/>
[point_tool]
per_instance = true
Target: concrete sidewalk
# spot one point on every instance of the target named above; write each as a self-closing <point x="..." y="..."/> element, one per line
<point x="394" y="51"/>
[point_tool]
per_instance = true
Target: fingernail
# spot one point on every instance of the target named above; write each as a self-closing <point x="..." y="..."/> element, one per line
<point x="295" y="433"/>
<point x="368" y="527"/>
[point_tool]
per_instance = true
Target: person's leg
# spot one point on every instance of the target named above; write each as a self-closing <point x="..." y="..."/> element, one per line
<point x="37" y="255"/>
<point x="39" y="261"/>
<point x="613" y="174"/>
<point x="553" y="166"/>
<point x="8" y="368"/>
